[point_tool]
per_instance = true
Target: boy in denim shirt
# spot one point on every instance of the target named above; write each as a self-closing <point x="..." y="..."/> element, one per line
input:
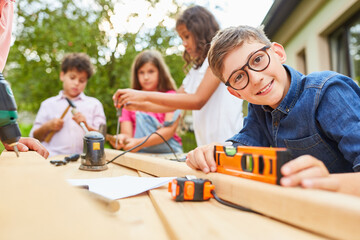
<point x="317" y="114"/>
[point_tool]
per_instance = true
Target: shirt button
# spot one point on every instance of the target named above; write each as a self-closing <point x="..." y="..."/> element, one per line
<point x="276" y="124"/>
<point x="287" y="110"/>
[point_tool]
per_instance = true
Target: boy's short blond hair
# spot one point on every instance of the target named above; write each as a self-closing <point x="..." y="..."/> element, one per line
<point x="227" y="40"/>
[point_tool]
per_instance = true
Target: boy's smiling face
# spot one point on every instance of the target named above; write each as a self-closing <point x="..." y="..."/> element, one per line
<point x="267" y="87"/>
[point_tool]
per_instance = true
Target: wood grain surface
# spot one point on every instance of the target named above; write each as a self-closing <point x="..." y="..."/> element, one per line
<point x="37" y="203"/>
<point x="326" y="213"/>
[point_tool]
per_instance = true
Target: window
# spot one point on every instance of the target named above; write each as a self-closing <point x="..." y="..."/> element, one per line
<point x="345" y="49"/>
<point x="301" y="62"/>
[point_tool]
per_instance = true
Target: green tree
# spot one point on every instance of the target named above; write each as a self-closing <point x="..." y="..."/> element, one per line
<point x="47" y="31"/>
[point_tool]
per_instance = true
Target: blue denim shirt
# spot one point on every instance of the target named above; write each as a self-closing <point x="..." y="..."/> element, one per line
<point x="320" y="116"/>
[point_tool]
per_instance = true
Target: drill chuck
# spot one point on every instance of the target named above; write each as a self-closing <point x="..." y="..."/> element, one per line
<point x="9" y="129"/>
<point x="10" y="133"/>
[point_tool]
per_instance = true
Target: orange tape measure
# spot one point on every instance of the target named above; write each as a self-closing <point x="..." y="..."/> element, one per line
<point x="190" y="189"/>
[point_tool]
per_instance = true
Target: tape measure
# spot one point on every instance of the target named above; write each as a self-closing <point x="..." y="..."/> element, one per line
<point x="190" y="188"/>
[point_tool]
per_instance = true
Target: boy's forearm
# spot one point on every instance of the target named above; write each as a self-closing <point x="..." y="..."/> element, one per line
<point x="41" y="133"/>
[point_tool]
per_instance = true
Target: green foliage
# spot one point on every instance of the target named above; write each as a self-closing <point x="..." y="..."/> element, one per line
<point x="188" y="141"/>
<point x="47" y="31"/>
<point x="25" y="129"/>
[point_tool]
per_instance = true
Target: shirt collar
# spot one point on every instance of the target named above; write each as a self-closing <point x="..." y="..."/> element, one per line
<point x="61" y="95"/>
<point x="293" y="93"/>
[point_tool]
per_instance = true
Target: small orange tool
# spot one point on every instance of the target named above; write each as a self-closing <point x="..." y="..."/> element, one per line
<point x="256" y="163"/>
<point x="190" y="189"/>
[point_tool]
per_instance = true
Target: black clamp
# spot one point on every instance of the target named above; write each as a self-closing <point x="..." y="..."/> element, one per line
<point x="71" y="158"/>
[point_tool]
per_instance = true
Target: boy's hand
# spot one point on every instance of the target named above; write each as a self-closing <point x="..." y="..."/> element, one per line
<point x="55" y="124"/>
<point x="125" y="96"/>
<point x="308" y="172"/>
<point x="78" y="118"/>
<point x="202" y="158"/>
<point x="26" y="143"/>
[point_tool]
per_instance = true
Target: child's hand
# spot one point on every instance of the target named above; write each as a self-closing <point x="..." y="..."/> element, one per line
<point x="125" y="96"/>
<point x="202" y="158"/>
<point x="55" y="124"/>
<point x="132" y="142"/>
<point x="78" y="118"/>
<point x="308" y="172"/>
<point x="26" y="143"/>
<point x="122" y="140"/>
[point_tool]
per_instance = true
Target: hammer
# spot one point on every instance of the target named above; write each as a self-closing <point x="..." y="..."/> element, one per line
<point x="51" y="134"/>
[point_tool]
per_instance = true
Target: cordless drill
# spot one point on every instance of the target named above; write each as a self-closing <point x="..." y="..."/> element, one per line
<point x="9" y="129"/>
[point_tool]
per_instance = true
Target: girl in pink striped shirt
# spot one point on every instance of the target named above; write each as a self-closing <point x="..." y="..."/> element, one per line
<point x="150" y="73"/>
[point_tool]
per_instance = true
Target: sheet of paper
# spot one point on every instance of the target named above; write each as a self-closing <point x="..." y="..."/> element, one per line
<point x="121" y="187"/>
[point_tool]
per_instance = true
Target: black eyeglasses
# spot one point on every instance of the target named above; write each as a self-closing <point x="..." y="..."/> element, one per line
<point x="258" y="61"/>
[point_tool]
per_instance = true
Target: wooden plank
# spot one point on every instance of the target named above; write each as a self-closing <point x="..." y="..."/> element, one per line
<point x="329" y="214"/>
<point x="212" y="220"/>
<point x="37" y="203"/>
<point x="136" y="214"/>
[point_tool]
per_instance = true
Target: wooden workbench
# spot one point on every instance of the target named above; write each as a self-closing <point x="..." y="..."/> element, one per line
<point x="36" y="202"/>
